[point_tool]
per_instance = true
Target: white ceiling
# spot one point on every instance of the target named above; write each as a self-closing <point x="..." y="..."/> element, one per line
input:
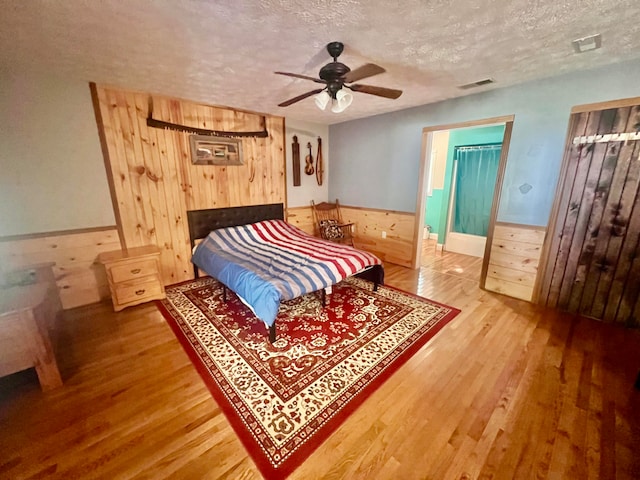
<point x="224" y="52"/>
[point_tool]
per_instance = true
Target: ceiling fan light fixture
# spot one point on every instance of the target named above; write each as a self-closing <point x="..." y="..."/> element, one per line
<point x="342" y="101"/>
<point x="322" y="99"/>
<point x="335" y="76"/>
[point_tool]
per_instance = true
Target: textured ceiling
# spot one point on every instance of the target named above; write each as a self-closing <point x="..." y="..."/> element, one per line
<point x="224" y="52"/>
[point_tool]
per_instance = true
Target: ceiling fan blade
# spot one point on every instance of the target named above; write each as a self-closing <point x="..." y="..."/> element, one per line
<point x="365" y="71"/>
<point x="304" y="77"/>
<point x="379" y="91"/>
<point x="300" y="97"/>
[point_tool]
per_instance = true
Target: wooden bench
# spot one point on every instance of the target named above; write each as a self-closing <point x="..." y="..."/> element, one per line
<point x="27" y="314"/>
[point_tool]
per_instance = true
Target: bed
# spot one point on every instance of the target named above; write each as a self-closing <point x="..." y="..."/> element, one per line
<point x="264" y="260"/>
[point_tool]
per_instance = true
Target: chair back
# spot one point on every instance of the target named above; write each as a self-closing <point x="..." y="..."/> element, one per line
<point x="329" y="223"/>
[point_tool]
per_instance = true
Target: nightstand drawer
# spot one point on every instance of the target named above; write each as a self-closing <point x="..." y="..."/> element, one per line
<point x="132" y="270"/>
<point x="139" y="291"/>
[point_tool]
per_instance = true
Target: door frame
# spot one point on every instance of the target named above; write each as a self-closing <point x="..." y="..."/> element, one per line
<point x="425" y="160"/>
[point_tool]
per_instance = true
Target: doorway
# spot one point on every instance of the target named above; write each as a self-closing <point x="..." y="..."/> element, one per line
<point x="473" y="180"/>
<point x="452" y="231"/>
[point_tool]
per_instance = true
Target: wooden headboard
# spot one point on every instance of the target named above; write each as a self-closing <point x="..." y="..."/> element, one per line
<point x="201" y="222"/>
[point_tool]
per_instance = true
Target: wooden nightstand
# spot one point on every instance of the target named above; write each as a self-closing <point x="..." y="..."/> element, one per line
<point x="134" y="275"/>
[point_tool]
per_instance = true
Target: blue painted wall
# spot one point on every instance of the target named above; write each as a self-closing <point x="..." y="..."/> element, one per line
<point x="375" y="161"/>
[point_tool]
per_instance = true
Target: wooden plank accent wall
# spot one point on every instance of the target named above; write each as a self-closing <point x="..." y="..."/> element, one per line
<point x="593" y="265"/>
<point x="80" y="279"/>
<point x="369" y="223"/>
<point x="514" y="259"/>
<point x="155" y="183"/>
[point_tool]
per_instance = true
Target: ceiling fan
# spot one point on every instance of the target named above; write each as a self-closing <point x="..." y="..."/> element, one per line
<point x="335" y="75"/>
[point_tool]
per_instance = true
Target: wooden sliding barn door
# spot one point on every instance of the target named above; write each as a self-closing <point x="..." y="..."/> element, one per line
<point x="593" y="266"/>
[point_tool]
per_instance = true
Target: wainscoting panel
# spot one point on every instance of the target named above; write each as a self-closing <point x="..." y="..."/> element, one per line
<point x="514" y="258"/>
<point x="369" y="225"/>
<point x="302" y="217"/>
<point x="80" y="279"/>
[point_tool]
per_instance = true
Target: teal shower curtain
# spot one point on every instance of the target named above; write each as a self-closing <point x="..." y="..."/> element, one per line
<point x="477" y="168"/>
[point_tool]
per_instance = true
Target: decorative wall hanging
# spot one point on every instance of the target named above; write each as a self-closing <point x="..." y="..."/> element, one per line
<point x="295" y="155"/>
<point x="208" y="150"/>
<point x="152" y="122"/>
<point x="319" y="163"/>
<point x="308" y="168"/>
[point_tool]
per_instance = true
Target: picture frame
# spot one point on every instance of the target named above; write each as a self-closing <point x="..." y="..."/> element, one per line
<point x="210" y="150"/>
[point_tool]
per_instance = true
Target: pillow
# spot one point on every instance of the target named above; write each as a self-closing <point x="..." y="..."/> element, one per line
<point x="330" y="230"/>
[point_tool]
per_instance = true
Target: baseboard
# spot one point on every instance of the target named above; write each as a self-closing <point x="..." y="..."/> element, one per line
<point x="427" y="235"/>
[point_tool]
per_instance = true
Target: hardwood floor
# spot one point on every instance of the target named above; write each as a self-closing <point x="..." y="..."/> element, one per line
<point x="506" y="390"/>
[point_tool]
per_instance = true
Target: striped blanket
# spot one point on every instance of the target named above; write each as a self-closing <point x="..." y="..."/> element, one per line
<point x="270" y="261"/>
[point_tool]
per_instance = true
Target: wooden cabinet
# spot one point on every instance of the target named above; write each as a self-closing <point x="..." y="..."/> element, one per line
<point x="134" y="275"/>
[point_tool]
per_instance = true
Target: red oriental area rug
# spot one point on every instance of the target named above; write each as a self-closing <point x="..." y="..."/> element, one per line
<point x="284" y="399"/>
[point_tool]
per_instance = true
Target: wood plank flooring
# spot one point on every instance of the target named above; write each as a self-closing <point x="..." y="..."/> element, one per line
<point x="506" y="390"/>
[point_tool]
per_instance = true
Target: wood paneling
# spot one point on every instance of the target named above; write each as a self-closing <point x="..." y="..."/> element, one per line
<point x="593" y="267"/>
<point x="302" y="217"/>
<point x="397" y="247"/>
<point x="81" y="280"/>
<point x="369" y="225"/>
<point x="513" y="261"/>
<point x="155" y="183"/>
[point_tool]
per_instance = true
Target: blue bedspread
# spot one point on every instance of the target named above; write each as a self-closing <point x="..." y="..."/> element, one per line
<point x="271" y="261"/>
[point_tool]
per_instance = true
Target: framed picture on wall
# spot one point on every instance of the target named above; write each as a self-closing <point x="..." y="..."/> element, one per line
<point x="208" y="150"/>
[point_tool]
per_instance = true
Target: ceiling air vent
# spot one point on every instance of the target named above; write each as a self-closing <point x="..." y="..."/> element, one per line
<point x="479" y="83"/>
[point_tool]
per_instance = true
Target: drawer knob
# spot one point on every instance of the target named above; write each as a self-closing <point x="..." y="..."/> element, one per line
<point x="135" y="271"/>
<point x="140" y="292"/>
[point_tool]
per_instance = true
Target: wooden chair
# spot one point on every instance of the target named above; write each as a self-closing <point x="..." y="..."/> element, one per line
<point x="329" y="223"/>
